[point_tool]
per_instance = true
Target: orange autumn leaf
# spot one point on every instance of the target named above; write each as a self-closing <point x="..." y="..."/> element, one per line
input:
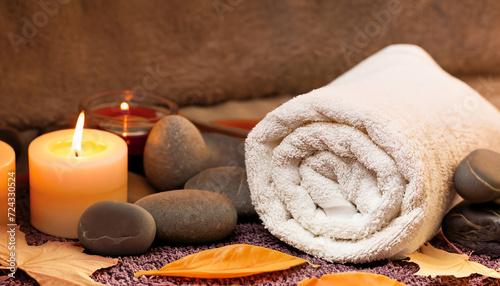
<point x="230" y="261"/>
<point x="52" y="263"/>
<point x="436" y="262"/>
<point x="351" y="279"/>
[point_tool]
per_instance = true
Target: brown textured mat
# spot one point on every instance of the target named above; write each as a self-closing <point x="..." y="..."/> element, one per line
<point x="249" y="232"/>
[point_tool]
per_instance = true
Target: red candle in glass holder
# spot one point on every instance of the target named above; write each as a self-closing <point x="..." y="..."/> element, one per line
<point x="136" y="139"/>
<point x="129" y="114"/>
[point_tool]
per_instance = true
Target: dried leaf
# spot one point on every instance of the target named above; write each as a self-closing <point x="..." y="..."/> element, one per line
<point x="351" y="279"/>
<point x="52" y="263"/>
<point x="435" y="262"/>
<point x="230" y="261"/>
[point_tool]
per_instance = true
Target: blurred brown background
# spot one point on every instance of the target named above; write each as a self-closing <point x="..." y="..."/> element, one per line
<point x="55" y="52"/>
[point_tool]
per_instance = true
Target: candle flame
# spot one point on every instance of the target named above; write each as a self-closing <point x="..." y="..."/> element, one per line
<point x="124" y="106"/>
<point x="125" y="109"/>
<point x="77" y="138"/>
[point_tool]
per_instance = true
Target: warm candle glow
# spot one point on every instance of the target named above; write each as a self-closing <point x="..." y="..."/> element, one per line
<point x="7" y="184"/>
<point x="77" y="138"/>
<point x="124" y="106"/>
<point x="125" y="109"/>
<point x="63" y="186"/>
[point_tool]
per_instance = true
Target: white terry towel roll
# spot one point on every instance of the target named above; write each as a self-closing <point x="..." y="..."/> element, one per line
<point x="361" y="169"/>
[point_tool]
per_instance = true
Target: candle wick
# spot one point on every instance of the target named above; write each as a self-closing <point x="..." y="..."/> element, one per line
<point x="76" y="153"/>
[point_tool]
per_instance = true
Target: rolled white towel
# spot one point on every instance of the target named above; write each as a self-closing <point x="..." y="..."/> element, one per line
<point x="361" y="169"/>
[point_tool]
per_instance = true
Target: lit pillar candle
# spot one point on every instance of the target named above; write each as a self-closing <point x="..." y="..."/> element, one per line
<point x="8" y="182"/>
<point x="65" y="181"/>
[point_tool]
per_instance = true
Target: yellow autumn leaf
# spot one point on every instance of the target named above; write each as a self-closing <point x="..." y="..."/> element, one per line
<point x="52" y="263"/>
<point x="230" y="261"/>
<point x="351" y="279"/>
<point x="436" y="262"/>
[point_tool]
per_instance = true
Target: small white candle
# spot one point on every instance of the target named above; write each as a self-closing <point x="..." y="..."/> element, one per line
<point x="65" y="181"/>
<point x="7" y="181"/>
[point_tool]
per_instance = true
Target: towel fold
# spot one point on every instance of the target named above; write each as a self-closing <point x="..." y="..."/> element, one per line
<point x="361" y="169"/>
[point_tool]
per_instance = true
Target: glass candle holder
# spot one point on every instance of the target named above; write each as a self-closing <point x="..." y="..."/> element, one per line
<point x="129" y="114"/>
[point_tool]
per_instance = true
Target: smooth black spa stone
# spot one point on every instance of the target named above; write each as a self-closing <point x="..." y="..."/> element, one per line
<point x="477" y="178"/>
<point x="476" y="226"/>
<point x="116" y="228"/>
<point x="230" y="182"/>
<point x="190" y="216"/>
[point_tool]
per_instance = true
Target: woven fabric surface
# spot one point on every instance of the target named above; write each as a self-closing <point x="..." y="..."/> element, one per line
<point x="249" y="232"/>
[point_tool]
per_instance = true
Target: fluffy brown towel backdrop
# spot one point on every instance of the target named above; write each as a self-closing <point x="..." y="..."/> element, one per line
<point x="55" y="52"/>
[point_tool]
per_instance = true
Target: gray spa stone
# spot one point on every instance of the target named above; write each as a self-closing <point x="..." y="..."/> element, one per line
<point x="477" y="178"/>
<point x="228" y="181"/>
<point x="138" y="187"/>
<point x="116" y="228"/>
<point x="224" y="150"/>
<point x="190" y="216"/>
<point x="174" y="152"/>
<point x="476" y="226"/>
